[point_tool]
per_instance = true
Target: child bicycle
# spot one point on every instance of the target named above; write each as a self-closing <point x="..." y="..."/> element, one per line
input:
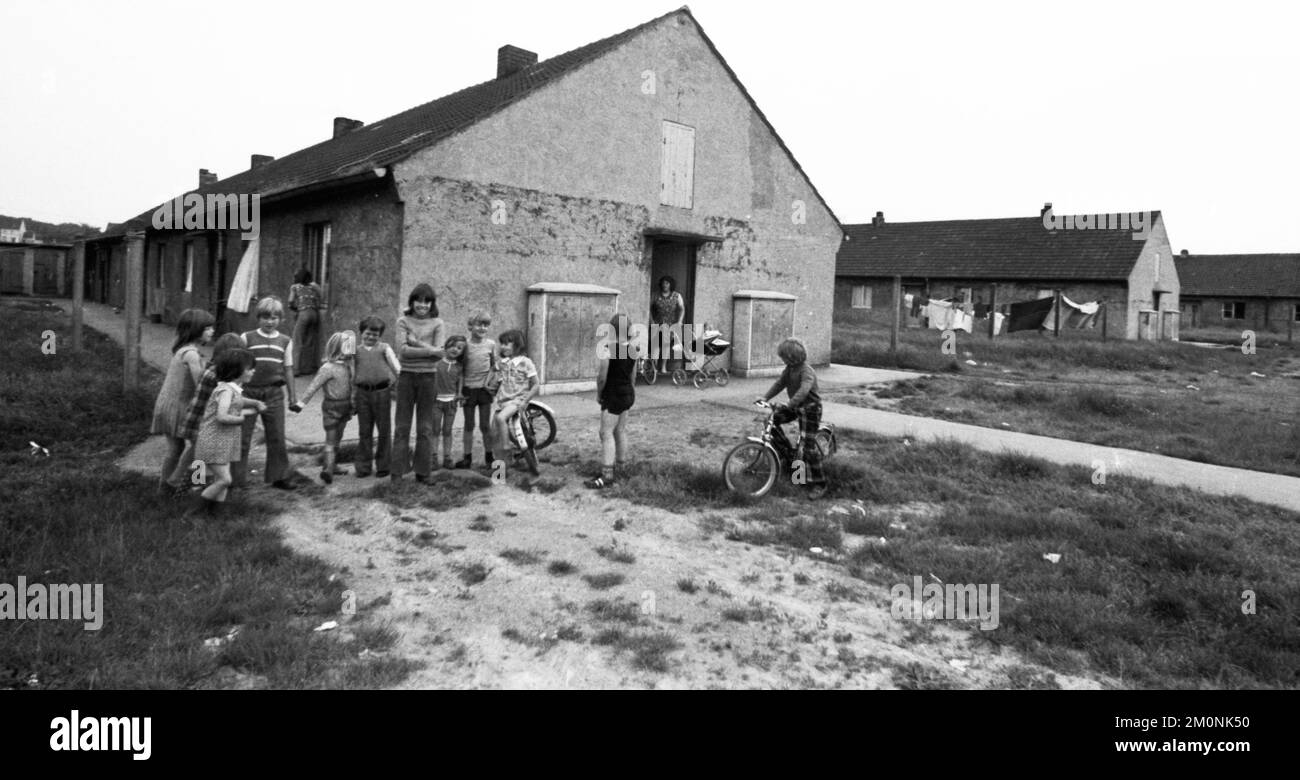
<point x="752" y="467"/>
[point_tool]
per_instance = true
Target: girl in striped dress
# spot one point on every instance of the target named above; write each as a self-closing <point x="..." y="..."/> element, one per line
<point x="194" y="329"/>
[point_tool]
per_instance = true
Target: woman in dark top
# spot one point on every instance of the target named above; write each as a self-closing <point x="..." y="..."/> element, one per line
<point x="306" y="298"/>
<point x="667" y="308"/>
<point x="616" y="392"/>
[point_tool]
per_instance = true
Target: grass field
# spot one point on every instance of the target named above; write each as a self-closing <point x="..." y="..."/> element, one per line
<point x="1148" y="589"/>
<point x="1208" y="405"/>
<point x="168" y="584"/>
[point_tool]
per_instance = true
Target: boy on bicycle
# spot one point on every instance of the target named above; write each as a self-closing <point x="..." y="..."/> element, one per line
<point x="805" y="403"/>
<point x="518" y="386"/>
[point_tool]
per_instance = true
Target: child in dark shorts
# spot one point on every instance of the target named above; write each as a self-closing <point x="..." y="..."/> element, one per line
<point x="616" y="392"/>
<point x="335" y="378"/>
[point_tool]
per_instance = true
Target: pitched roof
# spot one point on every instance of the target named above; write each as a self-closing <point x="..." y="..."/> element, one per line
<point x="1014" y="248"/>
<point x="1247" y="276"/>
<point x="395" y="138"/>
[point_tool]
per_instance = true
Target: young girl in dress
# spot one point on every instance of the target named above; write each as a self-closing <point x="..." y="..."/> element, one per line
<point x="335" y="378"/>
<point x="194" y="414"/>
<point x="194" y="329"/>
<point x="615" y="389"/>
<point x="448" y="388"/>
<point x="223" y="418"/>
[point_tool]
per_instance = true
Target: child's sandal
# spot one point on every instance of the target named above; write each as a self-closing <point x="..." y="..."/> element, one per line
<point x="599" y="483"/>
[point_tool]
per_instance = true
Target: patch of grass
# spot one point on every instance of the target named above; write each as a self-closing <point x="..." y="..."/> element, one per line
<point x="561" y="568"/>
<point x="687" y="585"/>
<point x="481" y="524"/>
<point x="425" y="538"/>
<point x="379" y="672"/>
<point x="838" y="591"/>
<point x="751" y="612"/>
<point x="801" y="579"/>
<point x="437" y="494"/>
<point x="472" y="573"/>
<point x="801" y="532"/>
<point x="615" y="610"/>
<point x="915" y="677"/>
<point x="73" y="517"/>
<point x="615" y="552"/>
<point x="650" y="650"/>
<point x="604" y="580"/>
<point x="522" y="557"/>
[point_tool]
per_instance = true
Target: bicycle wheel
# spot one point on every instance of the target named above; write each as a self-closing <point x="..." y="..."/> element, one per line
<point x="543" y="425"/>
<point x="750" y="469"/>
<point x="651" y="373"/>
<point x="699" y="379"/>
<point x="722" y="377"/>
<point x="679" y="376"/>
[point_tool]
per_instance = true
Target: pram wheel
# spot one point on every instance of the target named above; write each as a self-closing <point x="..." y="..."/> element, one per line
<point x="679" y="376"/>
<point x="699" y="379"/>
<point x="722" y="377"/>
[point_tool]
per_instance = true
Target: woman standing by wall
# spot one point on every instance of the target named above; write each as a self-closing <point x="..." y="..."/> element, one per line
<point x="307" y="299"/>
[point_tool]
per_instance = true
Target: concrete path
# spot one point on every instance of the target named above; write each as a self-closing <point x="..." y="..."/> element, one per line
<point x="305" y="428"/>
<point x="1276" y="489"/>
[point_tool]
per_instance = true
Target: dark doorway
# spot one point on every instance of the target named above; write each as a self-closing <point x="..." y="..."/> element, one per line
<point x="675" y="259"/>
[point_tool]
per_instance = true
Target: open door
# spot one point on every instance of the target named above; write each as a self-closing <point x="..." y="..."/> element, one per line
<point x="675" y="259"/>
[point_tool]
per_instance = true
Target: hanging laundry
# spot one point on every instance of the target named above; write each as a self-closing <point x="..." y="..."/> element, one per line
<point x="999" y="323"/>
<point x="907" y="301"/>
<point x="1079" y="315"/>
<point x="1029" y="315"/>
<point x="939" y="314"/>
<point x="244" y="287"/>
<point x="961" y="320"/>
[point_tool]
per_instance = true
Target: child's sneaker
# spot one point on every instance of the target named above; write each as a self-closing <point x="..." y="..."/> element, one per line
<point x="447" y="464"/>
<point x="817" y="491"/>
<point x="327" y="477"/>
<point x="464" y="462"/>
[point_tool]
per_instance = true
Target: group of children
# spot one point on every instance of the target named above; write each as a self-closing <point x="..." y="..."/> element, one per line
<point x="209" y="414"/>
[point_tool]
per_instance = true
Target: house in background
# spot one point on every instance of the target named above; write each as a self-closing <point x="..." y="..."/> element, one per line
<point x="1257" y="291"/>
<point x="1135" y="279"/>
<point x="549" y="196"/>
<point x="29" y="268"/>
<point x="12" y="231"/>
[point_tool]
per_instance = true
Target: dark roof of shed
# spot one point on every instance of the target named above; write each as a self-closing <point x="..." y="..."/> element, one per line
<point x="393" y="139"/>
<point x="1248" y="276"/>
<point x="1013" y="248"/>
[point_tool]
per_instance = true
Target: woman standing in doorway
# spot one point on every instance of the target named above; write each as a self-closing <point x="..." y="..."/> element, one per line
<point x="306" y="298"/>
<point x="667" y="308"/>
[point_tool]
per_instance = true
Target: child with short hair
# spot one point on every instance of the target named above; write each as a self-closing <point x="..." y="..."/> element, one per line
<point x="616" y="391"/>
<point x="194" y="328"/>
<point x="419" y="344"/>
<point x="271" y="380"/>
<point x="448" y="384"/>
<point x="219" y="437"/>
<point x="335" y="378"/>
<point x="480" y="364"/>
<point x="805" y="403"/>
<point x="375" y="375"/>
<point x="518" y="386"/>
<point x="194" y="415"/>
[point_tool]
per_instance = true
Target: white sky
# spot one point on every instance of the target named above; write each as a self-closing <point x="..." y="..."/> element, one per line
<point x="932" y="110"/>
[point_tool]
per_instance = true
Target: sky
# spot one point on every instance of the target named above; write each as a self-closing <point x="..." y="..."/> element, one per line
<point x="924" y="111"/>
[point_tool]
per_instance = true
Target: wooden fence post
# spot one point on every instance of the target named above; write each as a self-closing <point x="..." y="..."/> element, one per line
<point x="132" y="307"/>
<point x="78" y="290"/>
<point x="898" y="311"/>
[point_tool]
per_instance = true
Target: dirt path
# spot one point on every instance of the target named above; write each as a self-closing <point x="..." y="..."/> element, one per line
<point x="758" y="617"/>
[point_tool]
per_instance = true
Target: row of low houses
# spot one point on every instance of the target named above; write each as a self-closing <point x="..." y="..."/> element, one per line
<point x="559" y="191"/>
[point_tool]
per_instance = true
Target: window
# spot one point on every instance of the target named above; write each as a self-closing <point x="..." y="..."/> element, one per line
<point x="861" y="296"/>
<point x="1234" y="310"/>
<point x="316" y="252"/>
<point x="189" y="266"/>
<point x="677" y="185"/>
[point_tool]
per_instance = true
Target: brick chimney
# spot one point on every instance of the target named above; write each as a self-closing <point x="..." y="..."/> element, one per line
<point x="1184" y="253"/>
<point x="343" y="125"/>
<point x="512" y="59"/>
<point x="258" y="160"/>
<point x="206" y="177"/>
<point x="1046" y="208"/>
<point x="878" y="220"/>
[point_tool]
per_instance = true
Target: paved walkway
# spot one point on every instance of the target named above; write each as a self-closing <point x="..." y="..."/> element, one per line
<point x="305" y="428"/>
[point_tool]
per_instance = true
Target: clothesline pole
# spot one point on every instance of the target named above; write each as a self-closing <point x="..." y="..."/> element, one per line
<point x="898" y="311"/>
<point x="993" y="310"/>
<point x="1057" y="309"/>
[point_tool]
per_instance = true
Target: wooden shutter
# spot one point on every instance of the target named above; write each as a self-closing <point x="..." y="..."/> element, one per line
<point x="677" y="184"/>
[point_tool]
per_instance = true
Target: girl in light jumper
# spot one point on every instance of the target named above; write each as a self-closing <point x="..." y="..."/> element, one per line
<point x="219" y="435"/>
<point x="335" y="378"/>
<point x="419" y="345"/>
<point x="449" y="384"/>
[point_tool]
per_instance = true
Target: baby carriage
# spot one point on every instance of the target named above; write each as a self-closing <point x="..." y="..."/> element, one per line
<point x="713" y="345"/>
